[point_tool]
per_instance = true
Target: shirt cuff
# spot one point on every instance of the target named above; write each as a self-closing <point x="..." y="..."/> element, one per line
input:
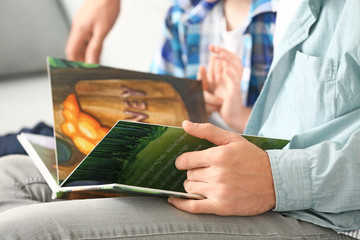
<point x="292" y="179"/>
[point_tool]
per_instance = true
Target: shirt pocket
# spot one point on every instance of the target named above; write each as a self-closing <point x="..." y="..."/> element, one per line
<point x="348" y="84"/>
<point x="313" y="89"/>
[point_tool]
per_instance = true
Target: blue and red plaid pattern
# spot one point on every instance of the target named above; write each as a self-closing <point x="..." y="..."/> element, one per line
<point x="180" y="53"/>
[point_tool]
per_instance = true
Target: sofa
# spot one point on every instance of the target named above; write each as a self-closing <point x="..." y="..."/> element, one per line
<point x="30" y="31"/>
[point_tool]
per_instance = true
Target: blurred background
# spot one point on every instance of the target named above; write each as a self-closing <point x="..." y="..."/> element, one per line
<point x="32" y="30"/>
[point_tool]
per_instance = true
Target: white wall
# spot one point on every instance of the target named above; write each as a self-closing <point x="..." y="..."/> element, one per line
<point x="136" y="36"/>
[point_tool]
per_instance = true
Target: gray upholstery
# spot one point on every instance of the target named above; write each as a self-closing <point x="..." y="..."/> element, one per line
<point x="30" y="31"/>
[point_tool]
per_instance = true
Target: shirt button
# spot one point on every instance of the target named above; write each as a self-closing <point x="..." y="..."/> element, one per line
<point x="193" y="49"/>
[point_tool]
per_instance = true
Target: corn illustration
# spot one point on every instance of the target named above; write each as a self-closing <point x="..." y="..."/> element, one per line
<point x="84" y="130"/>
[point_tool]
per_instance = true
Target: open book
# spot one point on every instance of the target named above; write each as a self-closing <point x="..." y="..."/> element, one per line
<point x="117" y="132"/>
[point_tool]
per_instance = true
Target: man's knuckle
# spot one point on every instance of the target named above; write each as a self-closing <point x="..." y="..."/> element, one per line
<point x="188" y="186"/>
<point x="181" y="162"/>
<point x="217" y="178"/>
<point x="219" y="158"/>
<point x="208" y="127"/>
<point x="189" y="175"/>
<point x="223" y="193"/>
<point x="224" y="190"/>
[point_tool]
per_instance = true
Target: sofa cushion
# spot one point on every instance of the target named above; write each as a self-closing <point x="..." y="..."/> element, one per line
<point x="30" y="31"/>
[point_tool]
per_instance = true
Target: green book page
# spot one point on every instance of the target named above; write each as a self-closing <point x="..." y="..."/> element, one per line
<point x="144" y="155"/>
<point x="138" y="154"/>
<point x="266" y="143"/>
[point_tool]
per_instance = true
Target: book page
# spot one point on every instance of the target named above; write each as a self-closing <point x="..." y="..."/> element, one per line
<point x="42" y="151"/>
<point x="143" y="155"/>
<point x="138" y="154"/>
<point x="88" y="99"/>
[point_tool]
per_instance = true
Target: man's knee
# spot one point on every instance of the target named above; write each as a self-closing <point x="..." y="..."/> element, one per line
<point x="27" y="222"/>
<point x="13" y="167"/>
<point x="21" y="183"/>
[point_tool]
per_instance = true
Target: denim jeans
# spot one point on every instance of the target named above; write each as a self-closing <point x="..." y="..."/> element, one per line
<point x="28" y="212"/>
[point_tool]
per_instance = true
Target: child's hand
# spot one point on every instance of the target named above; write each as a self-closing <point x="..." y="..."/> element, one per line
<point x="221" y="84"/>
<point x="231" y="65"/>
<point x="213" y="103"/>
<point x="90" y="26"/>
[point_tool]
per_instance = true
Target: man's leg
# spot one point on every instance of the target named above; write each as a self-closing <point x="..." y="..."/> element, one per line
<point x="25" y="213"/>
<point x="21" y="183"/>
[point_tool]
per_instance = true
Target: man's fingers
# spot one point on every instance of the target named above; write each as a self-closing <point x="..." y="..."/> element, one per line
<point x="198" y="175"/>
<point x="192" y="160"/>
<point x="192" y="206"/>
<point x="199" y="188"/>
<point x="211" y="133"/>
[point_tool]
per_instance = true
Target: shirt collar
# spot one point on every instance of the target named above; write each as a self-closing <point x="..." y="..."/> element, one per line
<point x="195" y="10"/>
<point x="259" y="7"/>
<point x="186" y="4"/>
<point x="315" y="7"/>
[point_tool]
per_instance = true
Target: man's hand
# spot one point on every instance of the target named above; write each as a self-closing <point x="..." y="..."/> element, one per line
<point x="235" y="176"/>
<point x="90" y="26"/>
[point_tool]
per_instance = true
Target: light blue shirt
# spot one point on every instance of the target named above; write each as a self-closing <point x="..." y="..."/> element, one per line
<point x="312" y="96"/>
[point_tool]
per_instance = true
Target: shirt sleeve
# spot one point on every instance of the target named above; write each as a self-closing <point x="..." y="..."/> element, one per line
<point x="323" y="178"/>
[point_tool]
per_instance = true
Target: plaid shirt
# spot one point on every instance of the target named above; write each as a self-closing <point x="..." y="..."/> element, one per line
<point x="181" y="51"/>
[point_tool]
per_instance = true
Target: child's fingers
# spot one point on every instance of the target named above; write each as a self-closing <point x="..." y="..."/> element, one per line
<point x="226" y="55"/>
<point x="211" y="108"/>
<point x="202" y="75"/>
<point x="212" y="102"/>
<point x="212" y="99"/>
<point x="218" y="71"/>
<point x="215" y="49"/>
<point x="211" y="70"/>
<point x="233" y="75"/>
<point x="199" y="74"/>
<point x="231" y="58"/>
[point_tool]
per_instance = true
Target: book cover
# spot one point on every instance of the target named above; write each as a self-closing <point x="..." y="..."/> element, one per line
<point x="88" y="99"/>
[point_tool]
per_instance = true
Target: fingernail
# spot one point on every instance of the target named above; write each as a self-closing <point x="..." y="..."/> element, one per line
<point x="170" y="200"/>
